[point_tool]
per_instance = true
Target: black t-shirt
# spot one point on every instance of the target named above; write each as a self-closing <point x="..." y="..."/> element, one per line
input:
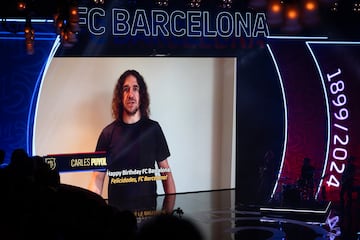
<point x="132" y="151"/>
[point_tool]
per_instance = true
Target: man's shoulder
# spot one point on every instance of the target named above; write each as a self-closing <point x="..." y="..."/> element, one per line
<point x="109" y="127"/>
<point x="150" y="122"/>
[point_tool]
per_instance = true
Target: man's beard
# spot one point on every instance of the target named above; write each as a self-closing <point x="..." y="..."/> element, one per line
<point x="131" y="113"/>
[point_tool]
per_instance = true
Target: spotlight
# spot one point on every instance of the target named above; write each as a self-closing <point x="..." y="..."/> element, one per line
<point x="163" y="3"/>
<point x="99" y="1"/>
<point x="335" y="7"/>
<point x="59" y="22"/>
<point x="21" y="5"/>
<point x="356" y="7"/>
<point x="68" y="38"/>
<point x="226" y="3"/>
<point x="195" y="3"/>
<point x="310" y="13"/>
<point x="74" y="19"/>
<point x="292" y="14"/>
<point x="292" y="19"/>
<point x="67" y="23"/>
<point x="29" y="37"/>
<point x="310" y="6"/>
<point x="275" y="13"/>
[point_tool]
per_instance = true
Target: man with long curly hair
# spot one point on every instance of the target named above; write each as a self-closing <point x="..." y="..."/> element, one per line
<point x="134" y="143"/>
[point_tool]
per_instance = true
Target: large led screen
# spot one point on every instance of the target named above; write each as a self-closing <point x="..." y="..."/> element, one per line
<point x="193" y="99"/>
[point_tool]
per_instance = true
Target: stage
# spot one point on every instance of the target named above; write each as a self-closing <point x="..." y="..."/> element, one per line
<point x="219" y="216"/>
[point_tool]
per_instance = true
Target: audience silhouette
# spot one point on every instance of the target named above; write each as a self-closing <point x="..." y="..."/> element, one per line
<point x="35" y="204"/>
<point x="168" y="226"/>
<point x="347" y="182"/>
<point x="2" y="156"/>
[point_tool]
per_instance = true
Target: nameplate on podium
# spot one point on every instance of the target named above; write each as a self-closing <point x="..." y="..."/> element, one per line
<point x="71" y="162"/>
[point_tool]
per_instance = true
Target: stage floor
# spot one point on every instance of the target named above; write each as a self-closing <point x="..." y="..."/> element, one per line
<point x="220" y="217"/>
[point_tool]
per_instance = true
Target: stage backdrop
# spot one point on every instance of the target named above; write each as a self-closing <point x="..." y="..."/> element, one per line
<point x="237" y="89"/>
